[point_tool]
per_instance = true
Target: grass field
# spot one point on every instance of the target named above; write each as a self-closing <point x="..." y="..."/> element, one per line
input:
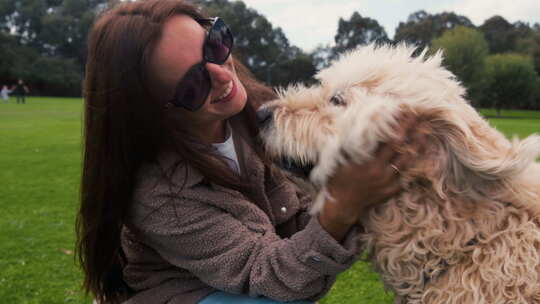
<point x="39" y="175"/>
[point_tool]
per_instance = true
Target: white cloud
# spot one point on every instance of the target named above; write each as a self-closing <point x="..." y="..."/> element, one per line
<point x="307" y="23"/>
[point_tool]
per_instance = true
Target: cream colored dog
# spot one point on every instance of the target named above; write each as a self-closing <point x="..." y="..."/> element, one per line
<point x="467" y="227"/>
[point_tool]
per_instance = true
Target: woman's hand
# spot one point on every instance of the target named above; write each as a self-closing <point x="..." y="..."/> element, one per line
<point x="356" y="187"/>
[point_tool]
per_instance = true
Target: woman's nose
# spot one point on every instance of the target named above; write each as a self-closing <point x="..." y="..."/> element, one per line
<point x="219" y="73"/>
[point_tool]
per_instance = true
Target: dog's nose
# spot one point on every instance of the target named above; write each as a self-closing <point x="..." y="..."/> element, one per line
<point x="264" y="116"/>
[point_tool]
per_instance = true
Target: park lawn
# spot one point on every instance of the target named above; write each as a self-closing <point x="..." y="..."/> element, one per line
<point x="39" y="172"/>
<point x="511" y="123"/>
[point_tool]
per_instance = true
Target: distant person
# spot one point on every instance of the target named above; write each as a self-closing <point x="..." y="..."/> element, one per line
<point x="5" y="93"/>
<point x="20" y="90"/>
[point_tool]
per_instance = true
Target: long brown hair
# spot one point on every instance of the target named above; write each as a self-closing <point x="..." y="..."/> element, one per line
<point x="125" y="127"/>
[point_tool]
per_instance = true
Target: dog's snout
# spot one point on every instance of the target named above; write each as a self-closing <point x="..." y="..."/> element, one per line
<point x="264" y="116"/>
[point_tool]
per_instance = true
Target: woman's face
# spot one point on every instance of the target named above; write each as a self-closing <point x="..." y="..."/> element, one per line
<point x="181" y="47"/>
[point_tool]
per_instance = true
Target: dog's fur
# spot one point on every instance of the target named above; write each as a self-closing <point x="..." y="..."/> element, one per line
<point x="466" y="228"/>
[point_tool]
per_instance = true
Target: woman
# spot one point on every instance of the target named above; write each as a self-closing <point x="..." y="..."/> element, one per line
<point x="178" y="202"/>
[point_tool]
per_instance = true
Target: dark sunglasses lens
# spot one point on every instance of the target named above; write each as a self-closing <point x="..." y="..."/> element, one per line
<point x="218" y="43"/>
<point x="193" y="90"/>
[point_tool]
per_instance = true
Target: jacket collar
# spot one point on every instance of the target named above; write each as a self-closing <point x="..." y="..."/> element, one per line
<point x="189" y="177"/>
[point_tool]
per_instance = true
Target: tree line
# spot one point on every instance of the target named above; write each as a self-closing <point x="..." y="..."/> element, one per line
<point x="44" y="43"/>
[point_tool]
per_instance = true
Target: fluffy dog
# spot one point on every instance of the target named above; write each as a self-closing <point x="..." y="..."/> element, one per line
<point x="467" y="227"/>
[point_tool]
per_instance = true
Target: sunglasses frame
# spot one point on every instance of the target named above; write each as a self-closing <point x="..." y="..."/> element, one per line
<point x="201" y="66"/>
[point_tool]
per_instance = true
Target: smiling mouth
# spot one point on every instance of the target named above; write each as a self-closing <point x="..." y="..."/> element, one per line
<point x="230" y="91"/>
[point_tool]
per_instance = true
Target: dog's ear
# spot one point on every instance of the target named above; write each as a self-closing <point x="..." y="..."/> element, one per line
<point x="473" y="156"/>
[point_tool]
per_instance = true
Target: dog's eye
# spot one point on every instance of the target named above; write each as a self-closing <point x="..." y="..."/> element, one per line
<point x="338" y="100"/>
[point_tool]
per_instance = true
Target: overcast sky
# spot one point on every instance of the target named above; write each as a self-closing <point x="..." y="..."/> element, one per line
<point x="307" y="23"/>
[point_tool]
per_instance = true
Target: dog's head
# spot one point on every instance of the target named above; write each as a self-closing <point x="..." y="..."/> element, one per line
<point x="304" y="122"/>
<point x="298" y="125"/>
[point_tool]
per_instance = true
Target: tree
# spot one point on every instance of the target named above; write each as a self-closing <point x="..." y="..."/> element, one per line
<point x="8" y="55"/>
<point x="56" y="75"/>
<point x="530" y="45"/>
<point x="23" y="18"/>
<point x="513" y="82"/>
<point x="257" y="43"/>
<point x="321" y="56"/>
<point x="46" y="31"/>
<point x="502" y="35"/>
<point x="299" y="69"/>
<point x="64" y="29"/>
<point x="465" y="50"/>
<point x="357" y="31"/>
<point x="421" y="27"/>
<point x="15" y="59"/>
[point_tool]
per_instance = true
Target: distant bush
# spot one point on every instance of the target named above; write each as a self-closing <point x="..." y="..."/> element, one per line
<point x="512" y="82"/>
<point x="56" y="76"/>
<point x="465" y="50"/>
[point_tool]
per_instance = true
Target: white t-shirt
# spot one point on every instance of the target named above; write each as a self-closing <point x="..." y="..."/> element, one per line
<point x="228" y="150"/>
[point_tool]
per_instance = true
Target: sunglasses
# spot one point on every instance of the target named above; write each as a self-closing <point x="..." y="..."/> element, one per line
<point x="193" y="90"/>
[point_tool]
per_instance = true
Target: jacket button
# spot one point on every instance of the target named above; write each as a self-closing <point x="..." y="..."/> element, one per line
<point x="283" y="209"/>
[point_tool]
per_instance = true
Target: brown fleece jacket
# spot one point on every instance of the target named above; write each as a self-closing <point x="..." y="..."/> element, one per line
<point x="182" y="246"/>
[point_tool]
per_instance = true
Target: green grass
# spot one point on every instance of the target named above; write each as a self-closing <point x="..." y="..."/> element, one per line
<point x="39" y="174"/>
<point x="511" y="123"/>
<point x="39" y="170"/>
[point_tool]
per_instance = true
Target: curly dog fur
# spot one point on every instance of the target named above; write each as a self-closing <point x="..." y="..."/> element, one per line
<point x="467" y="227"/>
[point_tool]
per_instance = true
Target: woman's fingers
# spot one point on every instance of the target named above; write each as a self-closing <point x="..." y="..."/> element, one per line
<point x="415" y="147"/>
<point x="386" y="151"/>
<point x="361" y="185"/>
<point x="391" y="156"/>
